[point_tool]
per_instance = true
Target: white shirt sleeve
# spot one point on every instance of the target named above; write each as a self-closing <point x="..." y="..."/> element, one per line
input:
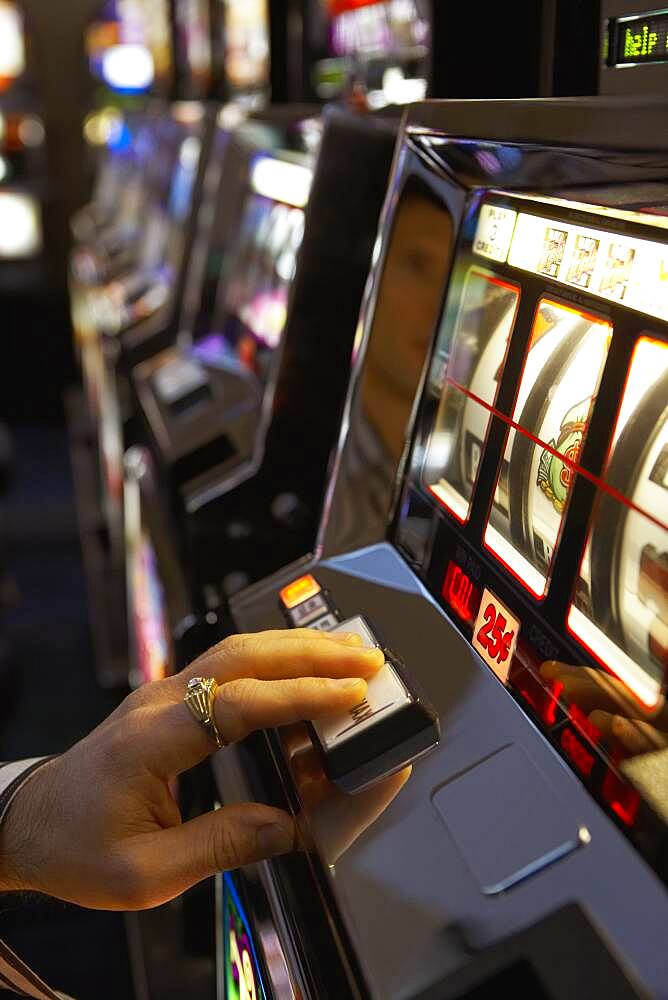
<point x="15" y="975"/>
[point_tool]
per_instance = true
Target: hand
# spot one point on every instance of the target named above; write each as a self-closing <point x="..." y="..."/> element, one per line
<point x="330" y="820"/>
<point x="99" y="825"/>
<point x="611" y="707"/>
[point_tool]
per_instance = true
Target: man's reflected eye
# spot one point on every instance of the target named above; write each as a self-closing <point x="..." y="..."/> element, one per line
<point x="421" y="264"/>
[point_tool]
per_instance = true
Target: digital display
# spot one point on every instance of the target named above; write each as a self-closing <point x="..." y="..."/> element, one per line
<point x="243" y="980"/>
<point x="461" y="593"/>
<point x="609" y="265"/>
<point x="12" y="48"/>
<point x="183" y="181"/>
<point x="640" y="39"/>
<point x="151" y="629"/>
<point x="380" y="29"/>
<point x="20" y="226"/>
<point x="247" y="43"/>
<point x="193" y="26"/>
<point x="255" y="302"/>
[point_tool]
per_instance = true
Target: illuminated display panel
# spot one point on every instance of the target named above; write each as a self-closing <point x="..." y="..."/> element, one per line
<point x="183" y="181"/>
<point x="193" y="25"/>
<point x="393" y="27"/>
<point x="20" y="226"/>
<point x="12" y="45"/>
<point x="611" y="266"/>
<point x="620" y="607"/>
<point x="556" y="393"/>
<point x="247" y="43"/>
<point x="242" y="976"/>
<point x="383" y="46"/>
<point x="474" y="356"/>
<point x="253" y="306"/>
<point x="151" y="629"/>
<point x="640" y="39"/>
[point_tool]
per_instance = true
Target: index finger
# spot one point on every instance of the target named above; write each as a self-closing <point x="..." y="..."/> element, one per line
<point x="285" y="654"/>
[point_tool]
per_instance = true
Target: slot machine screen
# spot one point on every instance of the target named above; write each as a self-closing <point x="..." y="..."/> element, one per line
<point x="185" y="173"/>
<point x="536" y="501"/>
<point x="242" y="976"/>
<point x="386" y="47"/>
<point x="253" y="298"/>
<point x="147" y="23"/>
<point x="12" y="44"/>
<point x="20" y="226"/>
<point x="193" y="29"/>
<point x="246" y="44"/>
<point x="149" y="618"/>
<point x="151" y="644"/>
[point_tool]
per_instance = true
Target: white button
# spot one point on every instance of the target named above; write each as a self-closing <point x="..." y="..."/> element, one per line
<point x="303" y="613"/>
<point x="326" y="624"/>
<point x="385" y="694"/>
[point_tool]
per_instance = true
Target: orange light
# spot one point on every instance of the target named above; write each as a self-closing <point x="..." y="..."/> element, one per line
<point x="299" y="591"/>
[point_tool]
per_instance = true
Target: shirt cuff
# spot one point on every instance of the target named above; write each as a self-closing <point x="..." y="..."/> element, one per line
<point x="13" y="776"/>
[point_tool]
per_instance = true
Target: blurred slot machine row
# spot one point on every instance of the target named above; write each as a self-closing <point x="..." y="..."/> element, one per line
<point x="24" y="187"/>
<point x="406" y="379"/>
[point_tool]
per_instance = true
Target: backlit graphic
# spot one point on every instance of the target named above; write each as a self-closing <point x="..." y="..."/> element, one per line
<point x="554" y="245"/>
<point x="554" y="474"/>
<point x="242" y="976"/>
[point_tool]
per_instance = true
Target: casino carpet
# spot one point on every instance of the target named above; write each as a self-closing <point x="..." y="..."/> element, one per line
<point x="49" y="698"/>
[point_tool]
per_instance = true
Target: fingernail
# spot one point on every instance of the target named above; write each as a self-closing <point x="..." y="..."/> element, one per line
<point x="375" y="656"/>
<point x="549" y="669"/>
<point x="352" y="638"/>
<point x="275" y="839"/>
<point x="347" y="682"/>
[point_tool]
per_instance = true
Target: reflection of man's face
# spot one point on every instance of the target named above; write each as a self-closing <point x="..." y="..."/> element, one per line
<point x="410" y="293"/>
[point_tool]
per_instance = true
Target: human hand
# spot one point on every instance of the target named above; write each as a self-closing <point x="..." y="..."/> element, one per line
<point x="611" y="708"/>
<point x="331" y="821"/>
<point x="99" y="825"/>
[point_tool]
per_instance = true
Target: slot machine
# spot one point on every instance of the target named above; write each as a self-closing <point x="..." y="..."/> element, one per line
<point x="23" y="168"/>
<point x="378" y="53"/>
<point x="248" y="52"/>
<point x="634" y="48"/>
<point x="193" y="49"/>
<point x="143" y="257"/>
<point x="517" y="588"/>
<point x="224" y="419"/>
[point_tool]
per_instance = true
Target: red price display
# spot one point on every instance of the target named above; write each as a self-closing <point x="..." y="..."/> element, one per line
<point x="495" y="634"/>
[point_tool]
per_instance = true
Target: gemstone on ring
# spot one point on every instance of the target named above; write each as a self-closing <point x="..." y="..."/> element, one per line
<point x="199" y="697"/>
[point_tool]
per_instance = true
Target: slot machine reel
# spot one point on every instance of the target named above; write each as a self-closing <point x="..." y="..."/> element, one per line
<point x="629" y="550"/>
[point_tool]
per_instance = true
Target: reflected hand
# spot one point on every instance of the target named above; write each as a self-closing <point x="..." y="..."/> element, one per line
<point x="331" y="820"/>
<point x="99" y="825"/>
<point x="610" y="707"/>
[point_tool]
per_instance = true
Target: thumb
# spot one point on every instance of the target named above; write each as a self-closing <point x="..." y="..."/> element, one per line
<point x="172" y="860"/>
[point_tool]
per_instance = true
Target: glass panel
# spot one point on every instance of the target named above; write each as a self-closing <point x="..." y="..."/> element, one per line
<point x="254" y="305"/>
<point x="610" y="265"/>
<point x="561" y="375"/>
<point x="473" y="358"/>
<point x="409" y="298"/>
<point x="247" y="43"/>
<point x="151" y="629"/>
<point x="620" y="607"/>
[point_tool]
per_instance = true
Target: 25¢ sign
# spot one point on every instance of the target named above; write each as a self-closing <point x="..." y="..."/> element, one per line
<point x="495" y="635"/>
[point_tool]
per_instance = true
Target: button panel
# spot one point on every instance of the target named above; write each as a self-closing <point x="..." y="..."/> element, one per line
<point x="390" y="728"/>
<point x="385" y="694"/>
<point x="308" y="611"/>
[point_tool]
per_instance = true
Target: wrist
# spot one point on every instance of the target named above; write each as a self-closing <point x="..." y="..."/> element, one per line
<point x="19" y="830"/>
